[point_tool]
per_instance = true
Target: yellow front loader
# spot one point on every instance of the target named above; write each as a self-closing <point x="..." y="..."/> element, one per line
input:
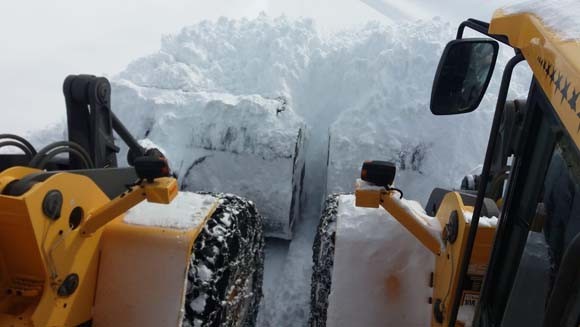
<point x="78" y="248"/>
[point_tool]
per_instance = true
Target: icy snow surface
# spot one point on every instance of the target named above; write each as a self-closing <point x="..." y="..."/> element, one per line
<point x="397" y="282"/>
<point x="186" y="211"/>
<point x="562" y="16"/>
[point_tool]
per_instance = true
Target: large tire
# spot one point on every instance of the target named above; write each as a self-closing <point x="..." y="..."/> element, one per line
<point x="226" y="269"/>
<point x="323" y="262"/>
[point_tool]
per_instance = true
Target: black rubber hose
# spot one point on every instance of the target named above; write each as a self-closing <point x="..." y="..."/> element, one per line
<point x="86" y="163"/>
<point x="80" y="151"/>
<point x="20" y="139"/>
<point x="19" y="145"/>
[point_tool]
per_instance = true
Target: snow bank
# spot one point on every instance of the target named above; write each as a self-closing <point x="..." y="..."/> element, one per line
<point x="186" y="211"/>
<point x="561" y="16"/>
<point x="395" y="291"/>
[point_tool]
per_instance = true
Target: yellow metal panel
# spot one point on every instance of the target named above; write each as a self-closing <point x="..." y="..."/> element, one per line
<point x="139" y="266"/>
<point x="367" y="198"/>
<point x="412" y="223"/>
<point x="373" y="197"/>
<point x="554" y="62"/>
<point x="447" y="264"/>
<point x="39" y="253"/>
<point x="162" y="190"/>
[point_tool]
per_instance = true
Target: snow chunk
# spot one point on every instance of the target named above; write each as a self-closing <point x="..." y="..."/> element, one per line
<point x="198" y="304"/>
<point x="483" y="221"/>
<point x="186" y="211"/>
<point x="562" y="16"/>
<point x="204" y="273"/>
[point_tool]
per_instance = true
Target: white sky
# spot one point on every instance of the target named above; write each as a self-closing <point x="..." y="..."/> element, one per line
<point x="43" y="41"/>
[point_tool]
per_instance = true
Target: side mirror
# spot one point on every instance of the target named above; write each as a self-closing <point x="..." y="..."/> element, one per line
<point x="463" y="75"/>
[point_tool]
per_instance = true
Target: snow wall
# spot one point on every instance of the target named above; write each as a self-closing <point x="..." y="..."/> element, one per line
<point x="231" y="102"/>
<point x="391" y="119"/>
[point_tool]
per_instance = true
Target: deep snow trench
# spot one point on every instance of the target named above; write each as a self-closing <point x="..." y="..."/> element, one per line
<point x="360" y="94"/>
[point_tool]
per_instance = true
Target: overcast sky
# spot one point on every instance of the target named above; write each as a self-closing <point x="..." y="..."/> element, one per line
<point x="43" y="41"/>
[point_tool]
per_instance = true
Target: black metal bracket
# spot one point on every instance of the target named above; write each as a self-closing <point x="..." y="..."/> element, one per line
<point x="485" y="176"/>
<point x="91" y="121"/>
<point x="481" y="27"/>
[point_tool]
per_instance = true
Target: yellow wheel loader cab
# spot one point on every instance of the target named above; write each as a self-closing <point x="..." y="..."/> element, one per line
<point x="78" y="248"/>
<point x="522" y="269"/>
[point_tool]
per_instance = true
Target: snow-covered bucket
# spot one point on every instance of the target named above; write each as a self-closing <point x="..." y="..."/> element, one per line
<point x="246" y="145"/>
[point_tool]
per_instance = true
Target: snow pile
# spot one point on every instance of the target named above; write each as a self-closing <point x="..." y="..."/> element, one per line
<point x="260" y="56"/>
<point x="186" y="211"/>
<point x="561" y="16"/>
<point x="183" y="101"/>
<point x="397" y="282"/>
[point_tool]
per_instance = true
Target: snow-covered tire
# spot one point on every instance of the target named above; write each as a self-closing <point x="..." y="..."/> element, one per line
<point x="226" y="268"/>
<point x="323" y="262"/>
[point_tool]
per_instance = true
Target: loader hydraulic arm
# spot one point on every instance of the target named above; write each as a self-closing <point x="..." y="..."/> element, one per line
<point x="161" y="190"/>
<point x="91" y="121"/>
<point x="426" y="229"/>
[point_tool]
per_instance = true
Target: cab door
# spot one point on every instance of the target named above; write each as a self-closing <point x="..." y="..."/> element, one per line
<point x="533" y="276"/>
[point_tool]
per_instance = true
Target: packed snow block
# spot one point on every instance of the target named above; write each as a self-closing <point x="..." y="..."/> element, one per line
<point x="246" y="145"/>
<point x="368" y="270"/>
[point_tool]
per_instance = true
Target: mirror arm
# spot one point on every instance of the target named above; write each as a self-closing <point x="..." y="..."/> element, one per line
<point x="481" y="27"/>
<point x="501" y="100"/>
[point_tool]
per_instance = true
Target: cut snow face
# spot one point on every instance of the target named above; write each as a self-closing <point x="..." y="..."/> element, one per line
<point x="186" y="211"/>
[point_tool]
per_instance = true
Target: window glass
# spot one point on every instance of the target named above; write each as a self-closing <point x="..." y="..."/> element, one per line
<point x="556" y="222"/>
